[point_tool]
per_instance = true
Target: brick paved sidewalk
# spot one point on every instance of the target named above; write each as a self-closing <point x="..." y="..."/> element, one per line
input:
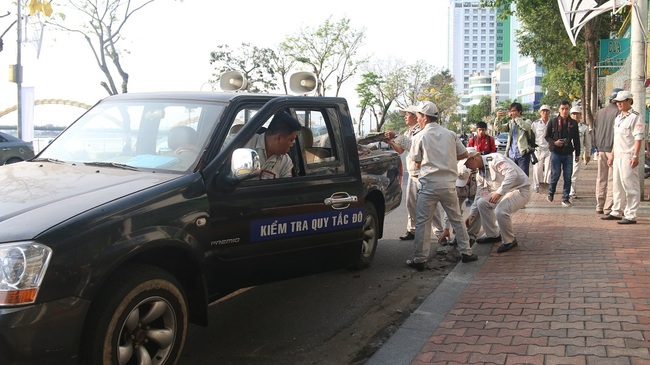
<point x="575" y="291"/>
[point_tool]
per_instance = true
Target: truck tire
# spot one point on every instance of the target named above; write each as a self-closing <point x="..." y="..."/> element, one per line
<point x="370" y="231"/>
<point x="140" y="317"/>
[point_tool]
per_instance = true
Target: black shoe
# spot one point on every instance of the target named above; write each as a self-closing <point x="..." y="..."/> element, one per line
<point x="507" y="246"/>
<point x="419" y="266"/>
<point x="610" y="217"/>
<point x="482" y="240"/>
<point x="407" y="237"/>
<point x="453" y="242"/>
<point x="549" y="198"/>
<point x="471" y="242"/>
<point x="626" y="221"/>
<point x="468" y="258"/>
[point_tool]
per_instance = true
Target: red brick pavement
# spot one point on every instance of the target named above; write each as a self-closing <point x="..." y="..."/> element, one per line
<point x="575" y="291"/>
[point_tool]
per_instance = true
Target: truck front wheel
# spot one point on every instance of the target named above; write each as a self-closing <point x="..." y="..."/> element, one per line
<point x="370" y="231"/>
<point x="140" y="317"/>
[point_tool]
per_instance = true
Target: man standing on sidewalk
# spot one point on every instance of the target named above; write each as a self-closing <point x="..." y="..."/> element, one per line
<point x="541" y="170"/>
<point x="483" y="142"/>
<point x="436" y="151"/>
<point x="517" y="148"/>
<point x="502" y="189"/>
<point x="629" y="132"/>
<point x="400" y="144"/>
<point x="563" y="138"/>
<point x="603" y="128"/>
<point x="585" y="146"/>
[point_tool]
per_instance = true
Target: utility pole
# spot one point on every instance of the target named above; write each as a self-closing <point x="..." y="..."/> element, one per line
<point x="637" y="71"/>
<point x="19" y="70"/>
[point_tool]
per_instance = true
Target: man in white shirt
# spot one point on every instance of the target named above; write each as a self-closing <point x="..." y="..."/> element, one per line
<point x="542" y="169"/>
<point x="273" y="146"/>
<point x="435" y="151"/>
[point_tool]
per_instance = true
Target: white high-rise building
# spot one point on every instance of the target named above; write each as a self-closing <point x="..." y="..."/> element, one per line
<point x="472" y="41"/>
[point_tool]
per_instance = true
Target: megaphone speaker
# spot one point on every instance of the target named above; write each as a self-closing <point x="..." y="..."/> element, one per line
<point x="303" y="83"/>
<point x="233" y="81"/>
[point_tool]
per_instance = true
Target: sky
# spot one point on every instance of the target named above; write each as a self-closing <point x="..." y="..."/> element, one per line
<point x="169" y="45"/>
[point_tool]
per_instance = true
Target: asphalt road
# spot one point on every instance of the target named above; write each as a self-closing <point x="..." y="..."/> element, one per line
<point x="338" y="317"/>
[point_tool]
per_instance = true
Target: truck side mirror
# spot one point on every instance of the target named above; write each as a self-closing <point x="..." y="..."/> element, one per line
<point x="244" y="164"/>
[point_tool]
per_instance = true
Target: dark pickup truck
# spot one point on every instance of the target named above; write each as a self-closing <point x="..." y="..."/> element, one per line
<point x="148" y="208"/>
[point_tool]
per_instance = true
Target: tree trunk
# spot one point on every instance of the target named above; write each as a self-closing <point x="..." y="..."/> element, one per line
<point x="590" y="101"/>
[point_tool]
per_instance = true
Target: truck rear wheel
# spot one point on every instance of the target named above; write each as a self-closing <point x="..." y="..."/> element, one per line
<point x="370" y="231"/>
<point x="140" y="317"/>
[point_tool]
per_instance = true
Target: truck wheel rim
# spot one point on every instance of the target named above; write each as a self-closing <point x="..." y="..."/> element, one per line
<point x="147" y="334"/>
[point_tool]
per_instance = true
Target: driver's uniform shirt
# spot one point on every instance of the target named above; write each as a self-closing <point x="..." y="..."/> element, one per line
<point x="276" y="166"/>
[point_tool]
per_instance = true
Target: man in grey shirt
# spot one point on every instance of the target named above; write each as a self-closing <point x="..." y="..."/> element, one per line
<point x="603" y="129"/>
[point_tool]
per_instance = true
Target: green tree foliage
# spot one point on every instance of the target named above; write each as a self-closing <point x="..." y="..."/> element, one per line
<point x="256" y="63"/>
<point x="480" y="111"/>
<point x="367" y="91"/>
<point x="329" y="50"/>
<point x="102" y="22"/>
<point x="440" y="90"/>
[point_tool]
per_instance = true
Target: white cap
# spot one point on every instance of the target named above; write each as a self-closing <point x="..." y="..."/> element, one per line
<point x="409" y="109"/>
<point x="623" y="95"/>
<point x="576" y="110"/>
<point x="427" y="108"/>
<point x="463" y="171"/>
<point x="545" y="107"/>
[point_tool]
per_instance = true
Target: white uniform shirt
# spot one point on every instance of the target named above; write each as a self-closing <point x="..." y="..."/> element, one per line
<point x="406" y="141"/>
<point x="437" y="149"/>
<point x="539" y="128"/>
<point x="627" y="129"/>
<point x="276" y="166"/>
<point x="585" y="139"/>
<point x="501" y="175"/>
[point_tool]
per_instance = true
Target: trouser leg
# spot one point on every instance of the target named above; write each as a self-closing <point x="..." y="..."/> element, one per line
<point x="604" y="184"/>
<point x="574" y="176"/>
<point x="618" y="192"/>
<point x="567" y="171"/>
<point x="556" y="167"/>
<point x="507" y="206"/>
<point x="449" y="201"/>
<point x="488" y="217"/>
<point x="425" y="205"/>
<point x="411" y="203"/>
<point x="630" y="182"/>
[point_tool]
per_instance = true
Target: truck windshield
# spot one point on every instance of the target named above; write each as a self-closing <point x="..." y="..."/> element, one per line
<point x="143" y="134"/>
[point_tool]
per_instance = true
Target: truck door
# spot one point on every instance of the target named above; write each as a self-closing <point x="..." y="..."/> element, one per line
<point x="265" y="230"/>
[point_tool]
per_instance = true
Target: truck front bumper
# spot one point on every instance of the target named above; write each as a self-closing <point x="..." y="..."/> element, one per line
<point x="46" y="333"/>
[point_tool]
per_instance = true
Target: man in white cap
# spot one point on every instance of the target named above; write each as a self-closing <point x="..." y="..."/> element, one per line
<point x="629" y="131"/>
<point x="585" y="147"/>
<point x="401" y="143"/>
<point x="435" y="151"/>
<point x="542" y="169"/>
<point x="603" y="126"/>
<point x="502" y="189"/>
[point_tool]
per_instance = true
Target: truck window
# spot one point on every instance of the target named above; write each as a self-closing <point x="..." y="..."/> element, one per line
<point x="318" y="142"/>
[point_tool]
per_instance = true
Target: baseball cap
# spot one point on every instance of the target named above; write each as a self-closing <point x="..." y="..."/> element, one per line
<point x="427" y="108"/>
<point x="463" y="171"/>
<point x="576" y="110"/>
<point x="623" y="95"/>
<point x="545" y="107"/>
<point x="409" y="109"/>
<point x="615" y="91"/>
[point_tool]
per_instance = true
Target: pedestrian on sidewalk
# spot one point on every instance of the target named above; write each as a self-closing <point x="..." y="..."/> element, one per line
<point x="629" y="131"/>
<point x="402" y="143"/>
<point x="435" y="151"/>
<point x="563" y="138"/>
<point x="502" y="189"/>
<point x="585" y="147"/>
<point x="517" y="147"/>
<point x="603" y="129"/>
<point x="483" y="143"/>
<point x="541" y="170"/>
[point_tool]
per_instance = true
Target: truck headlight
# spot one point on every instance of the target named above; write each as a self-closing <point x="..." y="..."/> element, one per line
<point x="22" y="267"/>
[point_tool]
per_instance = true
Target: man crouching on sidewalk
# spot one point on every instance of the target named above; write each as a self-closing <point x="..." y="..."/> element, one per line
<point x="502" y="188"/>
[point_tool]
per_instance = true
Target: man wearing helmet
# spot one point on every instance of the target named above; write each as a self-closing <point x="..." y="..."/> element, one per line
<point x="603" y="129"/>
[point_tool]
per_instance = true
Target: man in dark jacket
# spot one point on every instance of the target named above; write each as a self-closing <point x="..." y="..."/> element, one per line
<point x="563" y="138"/>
